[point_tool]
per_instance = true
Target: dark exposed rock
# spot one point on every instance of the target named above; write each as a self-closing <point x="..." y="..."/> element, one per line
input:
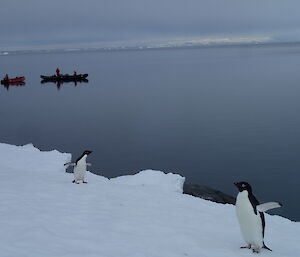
<point x="208" y="193"/>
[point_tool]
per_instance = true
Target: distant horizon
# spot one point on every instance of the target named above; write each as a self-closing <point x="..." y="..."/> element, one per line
<point x="161" y="43"/>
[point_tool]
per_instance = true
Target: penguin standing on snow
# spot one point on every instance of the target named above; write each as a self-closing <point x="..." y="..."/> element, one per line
<point x="80" y="167"/>
<point x="251" y="217"/>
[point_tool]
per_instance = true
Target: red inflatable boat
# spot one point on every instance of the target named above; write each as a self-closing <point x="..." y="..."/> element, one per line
<point x="12" y="80"/>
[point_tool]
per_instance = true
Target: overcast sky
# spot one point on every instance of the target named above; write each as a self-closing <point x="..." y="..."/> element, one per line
<point x="44" y="22"/>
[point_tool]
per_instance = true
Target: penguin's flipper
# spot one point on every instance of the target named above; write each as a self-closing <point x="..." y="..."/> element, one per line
<point x="88" y="164"/>
<point x="268" y="206"/>
<point x="70" y="164"/>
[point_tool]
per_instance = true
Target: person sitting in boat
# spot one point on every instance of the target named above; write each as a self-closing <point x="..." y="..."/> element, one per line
<point x="6" y="77"/>
<point x="57" y="72"/>
<point x="75" y="73"/>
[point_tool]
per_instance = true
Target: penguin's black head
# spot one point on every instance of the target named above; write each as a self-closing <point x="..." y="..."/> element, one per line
<point x="87" y="152"/>
<point x="243" y="186"/>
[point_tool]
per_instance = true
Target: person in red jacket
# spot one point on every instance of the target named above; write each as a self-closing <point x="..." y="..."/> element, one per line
<point x="57" y="72"/>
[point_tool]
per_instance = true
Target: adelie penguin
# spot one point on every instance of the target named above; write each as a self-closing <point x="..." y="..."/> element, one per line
<point x="80" y="167"/>
<point x="251" y="217"/>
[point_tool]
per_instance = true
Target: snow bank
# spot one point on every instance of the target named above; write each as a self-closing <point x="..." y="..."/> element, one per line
<point x="159" y="180"/>
<point x="44" y="214"/>
<point x="22" y="162"/>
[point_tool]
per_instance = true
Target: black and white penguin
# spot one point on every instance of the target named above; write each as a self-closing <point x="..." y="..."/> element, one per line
<point x="80" y="167"/>
<point x="251" y="217"/>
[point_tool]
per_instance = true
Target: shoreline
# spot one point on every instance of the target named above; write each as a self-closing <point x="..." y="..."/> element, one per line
<point x="208" y="193"/>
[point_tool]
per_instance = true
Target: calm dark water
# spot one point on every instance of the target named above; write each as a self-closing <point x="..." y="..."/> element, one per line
<point x="214" y="115"/>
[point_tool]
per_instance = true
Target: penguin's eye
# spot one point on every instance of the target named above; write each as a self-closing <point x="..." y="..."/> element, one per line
<point x="243" y="185"/>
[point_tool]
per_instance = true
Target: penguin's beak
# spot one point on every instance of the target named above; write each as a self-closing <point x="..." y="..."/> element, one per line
<point x="237" y="184"/>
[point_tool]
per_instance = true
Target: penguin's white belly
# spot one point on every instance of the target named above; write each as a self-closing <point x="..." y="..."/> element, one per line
<point x="79" y="172"/>
<point x="250" y="223"/>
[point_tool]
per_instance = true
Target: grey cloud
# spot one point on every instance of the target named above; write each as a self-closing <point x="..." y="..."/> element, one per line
<point x="66" y="20"/>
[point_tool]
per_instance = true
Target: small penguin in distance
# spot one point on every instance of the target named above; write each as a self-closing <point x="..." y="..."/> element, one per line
<point x="251" y="217"/>
<point x="80" y="167"/>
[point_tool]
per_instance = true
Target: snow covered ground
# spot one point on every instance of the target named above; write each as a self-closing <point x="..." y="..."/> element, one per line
<point x="44" y="214"/>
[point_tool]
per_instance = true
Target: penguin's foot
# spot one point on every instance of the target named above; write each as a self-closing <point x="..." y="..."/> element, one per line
<point x="247" y="247"/>
<point x="85" y="182"/>
<point x="75" y="182"/>
<point x="256" y="250"/>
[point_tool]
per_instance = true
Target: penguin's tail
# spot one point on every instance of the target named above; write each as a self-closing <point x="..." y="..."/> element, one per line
<point x="266" y="247"/>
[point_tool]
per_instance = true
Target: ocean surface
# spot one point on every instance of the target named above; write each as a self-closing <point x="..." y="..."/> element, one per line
<point x="215" y="115"/>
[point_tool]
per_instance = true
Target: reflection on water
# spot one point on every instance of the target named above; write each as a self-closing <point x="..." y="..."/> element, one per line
<point x="60" y="83"/>
<point x="13" y="84"/>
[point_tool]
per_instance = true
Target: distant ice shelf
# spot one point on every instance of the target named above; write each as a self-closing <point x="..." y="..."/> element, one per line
<point x="142" y="45"/>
